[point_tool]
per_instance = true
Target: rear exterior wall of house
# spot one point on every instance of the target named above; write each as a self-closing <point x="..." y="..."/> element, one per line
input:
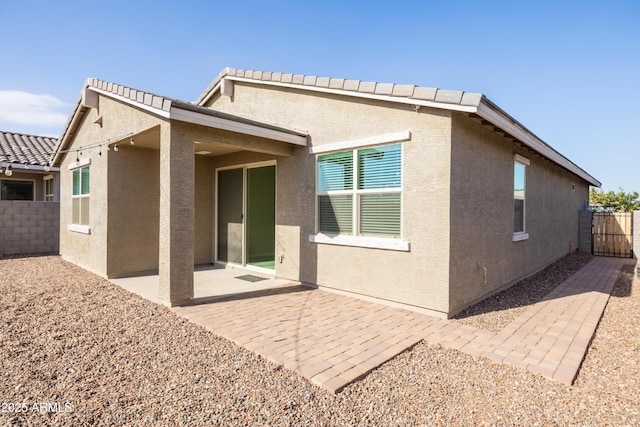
<point x="418" y="277"/>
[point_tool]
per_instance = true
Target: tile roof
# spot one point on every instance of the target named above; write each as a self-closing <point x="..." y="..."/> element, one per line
<point x="475" y="104"/>
<point x="418" y="93"/>
<point x="156" y="104"/>
<point x="165" y="104"/>
<point x="26" y="149"/>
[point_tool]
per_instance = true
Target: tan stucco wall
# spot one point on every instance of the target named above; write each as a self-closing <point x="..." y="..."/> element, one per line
<point x="204" y="217"/>
<point x="484" y="258"/>
<point x="134" y="210"/>
<point x="134" y="214"/>
<point x="418" y="277"/>
<point x="118" y="121"/>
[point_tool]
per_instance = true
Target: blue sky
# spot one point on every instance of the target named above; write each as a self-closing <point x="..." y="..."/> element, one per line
<point x="568" y="70"/>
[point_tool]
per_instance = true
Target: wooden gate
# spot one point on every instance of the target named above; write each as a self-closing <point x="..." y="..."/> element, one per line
<point x="612" y="234"/>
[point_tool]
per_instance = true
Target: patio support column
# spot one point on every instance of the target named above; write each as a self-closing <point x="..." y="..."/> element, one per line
<point x="176" y="216"/>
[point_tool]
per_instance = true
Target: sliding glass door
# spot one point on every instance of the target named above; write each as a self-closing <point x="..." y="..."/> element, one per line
<point x="247" y="216"/>
<point x="230" y="208"/>
<point x="261" y="216"/>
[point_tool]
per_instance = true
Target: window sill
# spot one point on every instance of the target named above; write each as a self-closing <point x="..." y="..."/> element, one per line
<point x="362" y="242"/>
<point x="84" y="229"/>
<point x="516" y="237"/>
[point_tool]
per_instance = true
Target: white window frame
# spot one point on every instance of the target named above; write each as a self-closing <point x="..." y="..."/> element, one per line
<point x="356" y="239"/>
<point x="79" y="228"/>
<point x="518" y="236"/>
<point x="49" y="197"/>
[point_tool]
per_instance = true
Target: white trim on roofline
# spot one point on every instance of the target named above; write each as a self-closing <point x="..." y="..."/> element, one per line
<point x="180" y="114"/>
<point x="390" y="98"/>
<point x="361" y="142"/>
<point x="506" y="123"/>
<point x="157" y="111"/>
<point x="176" y="113"/>
<point x="16" y="166"/>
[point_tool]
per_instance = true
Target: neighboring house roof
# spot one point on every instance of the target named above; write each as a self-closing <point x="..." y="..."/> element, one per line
<point x="477" y="105"/>
<point x="30" y="150"/>
<point x="169" y="108"/>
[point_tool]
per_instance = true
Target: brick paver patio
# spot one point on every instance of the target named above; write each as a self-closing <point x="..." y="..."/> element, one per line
<point x="333" y="340"/>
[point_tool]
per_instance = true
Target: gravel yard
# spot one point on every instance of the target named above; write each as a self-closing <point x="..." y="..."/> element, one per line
<point x="101" y="356"/>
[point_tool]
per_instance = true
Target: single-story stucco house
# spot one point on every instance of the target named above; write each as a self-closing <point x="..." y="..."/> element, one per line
<point x="425" y="198"/>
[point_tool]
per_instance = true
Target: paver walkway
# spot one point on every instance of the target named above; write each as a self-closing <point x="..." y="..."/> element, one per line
<point x="552" y="336"/>
<point x="333" y="340"/>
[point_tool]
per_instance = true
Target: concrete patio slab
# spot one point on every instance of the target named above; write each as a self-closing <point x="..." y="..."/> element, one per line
<point x="209" y="283"/>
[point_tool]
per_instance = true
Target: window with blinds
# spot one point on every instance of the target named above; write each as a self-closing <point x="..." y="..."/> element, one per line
<point x="519" y="187"/>
<point x="80" y="196"/>
<point x="359" y="192"/>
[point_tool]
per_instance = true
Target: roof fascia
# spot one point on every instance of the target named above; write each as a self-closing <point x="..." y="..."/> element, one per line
<point x="86" y="101"/>
<point x="71" y="123"/>
<point x="28" y="167"/>
<point x="494" y="114"/>
<point x="206" y="96"/>
<point x="188" y="116"/>
<point x="157" y="111"/>
<point x="176" y="113"/>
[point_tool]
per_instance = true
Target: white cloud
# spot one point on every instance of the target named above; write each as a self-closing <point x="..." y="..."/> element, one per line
<point x="26" y="108"/>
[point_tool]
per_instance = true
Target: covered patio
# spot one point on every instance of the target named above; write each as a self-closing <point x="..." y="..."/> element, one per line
<point x="153" y="202"/>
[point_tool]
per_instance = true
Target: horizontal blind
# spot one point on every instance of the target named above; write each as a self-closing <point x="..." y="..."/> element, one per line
<point x="380" y="214"/>
<point x="76" y="183"/>
<point x="380" y="167"/>
<point x="85" y="180"/>
<point x="335" y="215"/>
<point x="335" y="171"/>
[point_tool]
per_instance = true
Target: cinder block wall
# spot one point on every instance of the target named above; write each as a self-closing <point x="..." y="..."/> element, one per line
<point x="29" y="227"/>
<point x="584" y="244"/>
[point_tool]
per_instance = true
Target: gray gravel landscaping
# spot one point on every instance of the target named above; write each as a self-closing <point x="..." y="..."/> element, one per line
<point x="78" y="350"/>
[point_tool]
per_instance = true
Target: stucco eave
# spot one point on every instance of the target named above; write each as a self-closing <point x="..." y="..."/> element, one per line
<point x="498" y="117"/>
